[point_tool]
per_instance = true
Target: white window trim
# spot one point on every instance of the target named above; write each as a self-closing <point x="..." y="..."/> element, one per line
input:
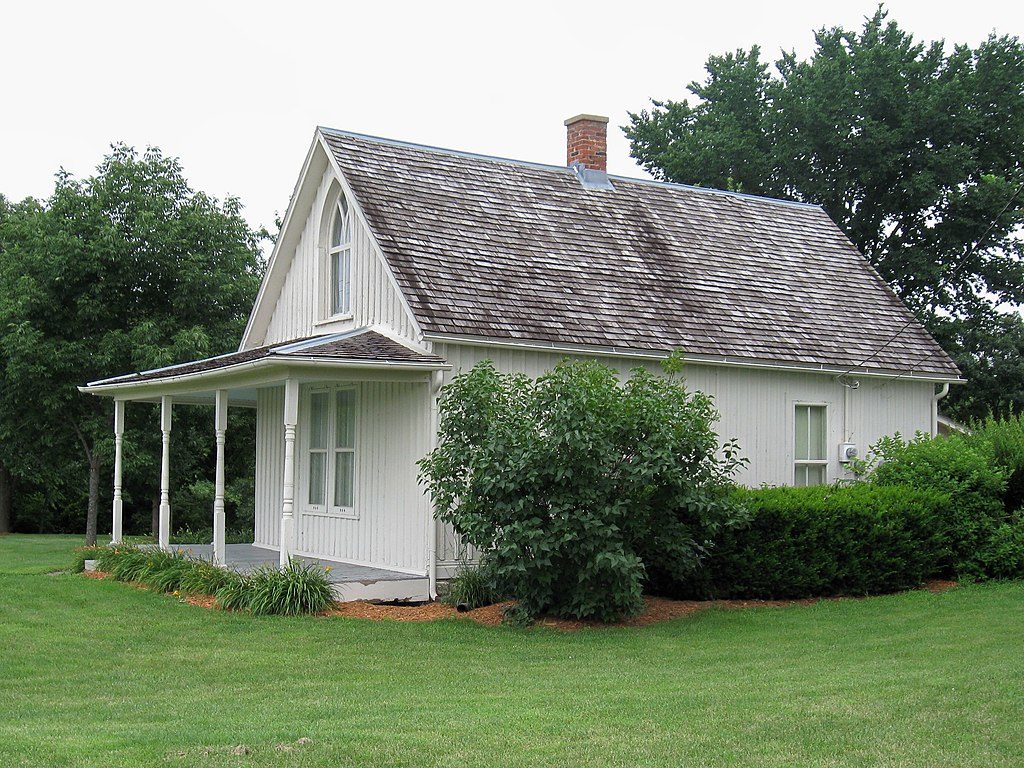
<point x="329" y="251"/>
<point x="797" y="463"/>
<point x="329" y="510"/>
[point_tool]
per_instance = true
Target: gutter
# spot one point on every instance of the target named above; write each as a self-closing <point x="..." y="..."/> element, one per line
<point x="102" y="387"/>
<point x="943" y="391"/>
<point x="724" y="360"/>
<point x="435" y="387"/>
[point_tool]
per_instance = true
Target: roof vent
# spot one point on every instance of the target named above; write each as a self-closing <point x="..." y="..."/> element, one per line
<point x="592" y="178"/>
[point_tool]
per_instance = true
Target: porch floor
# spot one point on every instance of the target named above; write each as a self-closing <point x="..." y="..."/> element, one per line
<point x="248" y="557"/>
<point x="348" y="581"/>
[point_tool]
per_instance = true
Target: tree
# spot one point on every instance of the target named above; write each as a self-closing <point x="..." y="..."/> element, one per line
<point x="914" y="151"/>
<point x="5" y="473"/>
<point x="126" y="270"/>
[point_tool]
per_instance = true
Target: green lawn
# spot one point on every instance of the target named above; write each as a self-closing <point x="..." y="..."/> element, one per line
<point x="34" y="553"/>
<point x="95" y="673"/>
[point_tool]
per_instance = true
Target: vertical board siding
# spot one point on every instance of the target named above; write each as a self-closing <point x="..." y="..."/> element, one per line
<point x="391" y="436"/>
<point x="269" y="465"/>
<point x="303" y="300"/>
<point x="755" y="406"/>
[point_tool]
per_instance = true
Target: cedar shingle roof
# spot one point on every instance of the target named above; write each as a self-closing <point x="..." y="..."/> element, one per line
<point x="359" y="346"/>
<point x="506" y="250"/>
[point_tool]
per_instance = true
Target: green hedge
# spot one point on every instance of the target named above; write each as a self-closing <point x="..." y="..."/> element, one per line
<point x="965" y="469"/>
<point x="829" y="540"/>
<point x="983" y="474"/>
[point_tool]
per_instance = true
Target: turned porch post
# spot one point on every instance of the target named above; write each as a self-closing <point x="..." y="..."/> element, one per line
<point x="164" y="538"/>
<point x="220" y="427"/>
<point x="116" y="529"/>
<point x="291" y="417"/>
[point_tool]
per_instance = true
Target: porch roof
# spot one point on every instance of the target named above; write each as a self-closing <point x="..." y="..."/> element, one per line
<point x="363" y="348"/>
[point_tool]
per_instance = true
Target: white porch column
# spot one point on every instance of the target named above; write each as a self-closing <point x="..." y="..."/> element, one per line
<point x="220" y="427"/>
<point x="164" y="538"/>
<point x="291" y="418"/>
<point x="117" y="527"/>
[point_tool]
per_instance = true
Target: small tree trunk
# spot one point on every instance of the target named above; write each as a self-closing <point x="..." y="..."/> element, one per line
<point x="5" y="499"/>
<point x="92" y="515"/>
<point x="155" y="519"/>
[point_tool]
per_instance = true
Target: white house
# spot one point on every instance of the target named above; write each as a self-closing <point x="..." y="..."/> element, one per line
<point x="399" y="265"/>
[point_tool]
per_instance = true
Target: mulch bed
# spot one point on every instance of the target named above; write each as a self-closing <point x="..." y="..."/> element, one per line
<point x="656" y="609"/>
<point x="201" y="601"/>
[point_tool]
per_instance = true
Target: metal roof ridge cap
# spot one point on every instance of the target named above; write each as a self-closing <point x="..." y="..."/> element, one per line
<point x="289" y="348"/>
<point x="716" y="191"/>
<point x="560" y="168"/>
<point x="444" y="150"/>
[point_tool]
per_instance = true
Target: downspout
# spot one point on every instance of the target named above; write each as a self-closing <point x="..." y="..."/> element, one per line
<point x="943" y="391"/>
<point x="436" y="379"/>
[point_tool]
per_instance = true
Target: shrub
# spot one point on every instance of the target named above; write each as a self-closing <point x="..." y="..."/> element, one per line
<point x="124" y="563"/>
<point x="1006" y="437"/>
<point x="205" y="578"/>
<point x="80" y="555"/>
<point x="297" y="588"/>
<point x="234" y="594"/>
<point x="966" y="470"/>
<point x="576" y="487"/>
<point x="825" y="540"/>
<point x="1002" y="556"/>
<point x="473" y="587"/>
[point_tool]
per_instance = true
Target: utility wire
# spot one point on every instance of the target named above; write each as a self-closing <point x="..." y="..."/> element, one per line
<point x="913" y="319"/>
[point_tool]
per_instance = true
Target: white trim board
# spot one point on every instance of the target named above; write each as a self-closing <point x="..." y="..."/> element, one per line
<point x="594" y="351"/>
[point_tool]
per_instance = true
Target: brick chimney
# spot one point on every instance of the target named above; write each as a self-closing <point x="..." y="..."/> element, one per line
<point x="586" y="141"/>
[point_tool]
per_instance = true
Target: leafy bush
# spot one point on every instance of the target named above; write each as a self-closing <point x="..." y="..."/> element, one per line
<point x="577" y="487"/>
<point x="1002" y="555"/>
<point x="965" y="469"/>
<point x="473" y="587"/>
<point x="825" y="540"/>
<point x="1006" y="437"/>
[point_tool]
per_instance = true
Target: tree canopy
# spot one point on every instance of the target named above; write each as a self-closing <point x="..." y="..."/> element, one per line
<point x="914" y="150"/>
<point x="124" y="270"/>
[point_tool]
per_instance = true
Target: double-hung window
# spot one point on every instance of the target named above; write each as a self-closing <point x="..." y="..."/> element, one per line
<point x="331" y="477"/>
<point x="340" y="257"/>
<point x="811" y="445"/>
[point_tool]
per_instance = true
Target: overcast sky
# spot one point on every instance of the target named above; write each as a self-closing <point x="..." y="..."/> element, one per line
<point x="236" y="89"/>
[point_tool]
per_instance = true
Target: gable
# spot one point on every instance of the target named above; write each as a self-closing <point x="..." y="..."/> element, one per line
<point x="293" y="300"/>
<point x="493" y="249"/>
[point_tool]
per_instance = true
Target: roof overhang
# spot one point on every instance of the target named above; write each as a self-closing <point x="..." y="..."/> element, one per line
<point x="714" y="360"/>
<point x="268" y="371"/>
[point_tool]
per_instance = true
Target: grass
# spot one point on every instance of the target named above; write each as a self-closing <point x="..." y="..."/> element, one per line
<point x="38" y="553"/>
<point x="95" y="673"/>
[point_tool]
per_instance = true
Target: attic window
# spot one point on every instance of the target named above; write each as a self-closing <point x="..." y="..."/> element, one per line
<point x="341" y="259"/>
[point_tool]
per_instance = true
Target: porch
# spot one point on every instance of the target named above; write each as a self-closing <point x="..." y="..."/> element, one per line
<point x="349" y="581"/>
<point x="341" y="421"/>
